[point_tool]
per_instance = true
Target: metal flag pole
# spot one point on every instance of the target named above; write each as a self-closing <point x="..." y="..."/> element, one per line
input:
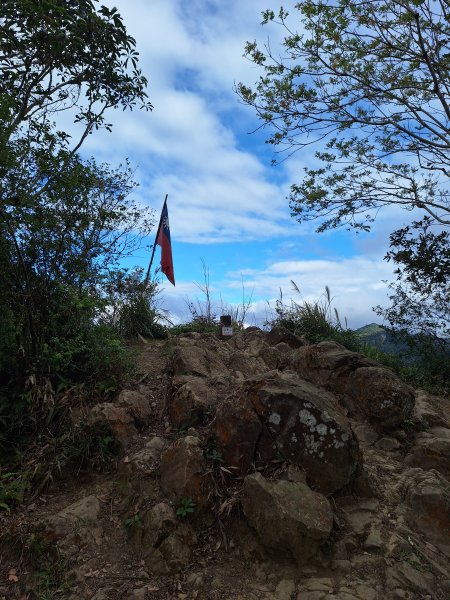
<point x="154" y="246"/>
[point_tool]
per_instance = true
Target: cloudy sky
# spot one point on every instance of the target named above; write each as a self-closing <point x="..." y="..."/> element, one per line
<point x="227" y="203"/>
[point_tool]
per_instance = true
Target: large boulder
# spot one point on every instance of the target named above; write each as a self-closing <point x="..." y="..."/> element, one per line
<point x="278" y="335"/>
<point x="184" y="472"/>
<point x="288" y="517"/>
<point x="136" y="404"/>
<point x="380" y="396"/>
<point x="307" y="427"/>
<point x="193" y="399"/>
<point x="117" y="419"/>
<point x="201" y="358"/>
<point x="238" y="429"/>
<point x="369" y="391"/>
<point x="328" y="364"/>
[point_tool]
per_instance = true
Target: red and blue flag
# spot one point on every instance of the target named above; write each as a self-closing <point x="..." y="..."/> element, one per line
<point x="163" y="240"/>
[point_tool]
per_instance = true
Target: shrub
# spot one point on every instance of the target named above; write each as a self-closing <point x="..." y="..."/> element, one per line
<point x="316" y="320"/>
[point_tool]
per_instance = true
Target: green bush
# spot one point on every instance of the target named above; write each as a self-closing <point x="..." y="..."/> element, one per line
<point x="197" y="325"/>
<point x="318" y="321"/>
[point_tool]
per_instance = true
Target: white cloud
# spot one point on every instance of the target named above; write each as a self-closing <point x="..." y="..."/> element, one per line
<point x="355" y="283"/>
<point x="356" y="286"/>
<point x="188" y="145"/>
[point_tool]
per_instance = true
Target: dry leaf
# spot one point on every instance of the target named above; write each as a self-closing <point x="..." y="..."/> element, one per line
<point x="12" y="576"/>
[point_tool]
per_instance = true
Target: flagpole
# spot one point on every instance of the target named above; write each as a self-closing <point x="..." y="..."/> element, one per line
<point x="154" y="246"/>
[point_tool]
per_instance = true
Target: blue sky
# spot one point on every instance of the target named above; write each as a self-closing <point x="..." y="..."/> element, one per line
<point x="227" y="203"/>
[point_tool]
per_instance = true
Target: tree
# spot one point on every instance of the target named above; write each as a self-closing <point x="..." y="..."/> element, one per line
<point x="60" y="253"/>
<point x="58" y="55"/>
<point x="64" y="222"/>
<point x="420" y="297"/>
<point x="369" y="83"/>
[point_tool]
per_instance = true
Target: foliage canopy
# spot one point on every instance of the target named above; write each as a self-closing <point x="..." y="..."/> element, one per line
<point x="369" y="83"/>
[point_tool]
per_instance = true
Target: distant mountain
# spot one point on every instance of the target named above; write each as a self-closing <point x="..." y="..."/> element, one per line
<point x="376" y="336"/>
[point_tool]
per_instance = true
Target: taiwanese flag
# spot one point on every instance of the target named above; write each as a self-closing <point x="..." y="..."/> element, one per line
<point x="163" y="240"/>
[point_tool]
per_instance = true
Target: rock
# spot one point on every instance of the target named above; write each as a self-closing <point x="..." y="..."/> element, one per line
<point x="274" y="358"/>
<point x="427" y="498"/>
<point x="158" y="523"/>
<point x="167" y="544"/>
<point x="432" y="452"/>
<point x="137" y="405"/>
<point x="388" y="444"/>
<point x="328" y="364"/>
<point x="138" y="472"/>
<point x="287" y="516"/>
<point x="195" y="579"/>
<point x="81" y="514"/>
<point x="100" y="595"/>
<point x="176" y="549"/>
<point x="139" y="593"/>
<point x="72" y="529"/>
<point x="238" y="428"/>
<point x="156" y="445"/>
<point x="117" y="419"/>
<point x="367" y="483"/>
<point x="359" y="515"/>
<point x="404" y="576"/>
<point x="373" y="543"/>
<point x="430" y="411"/>
<point x="183" y="471"/>
<point x="359" y="521"/>
<point x="316" y="589"/>
<point x="380" y="396"/>
<point x="279" y="335"/>
<point x="368" y="390"/>
<point x="343" y="566"/>
<point x="365" y="434"/>
<point x="366" y="592"/>
<point x="293" y="473"/>
<point x="246" y="364"/>
<point x="307" y="428"/>
<point x="284" y="590"/>
<point x="191" y="400"/>
<point x="199" y="360"/>
<point x="340" y="551"/>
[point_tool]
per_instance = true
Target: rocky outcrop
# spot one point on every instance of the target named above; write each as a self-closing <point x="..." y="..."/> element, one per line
<point x="306" y="427"/>
<point x="289" y="517"/>
<point x="312" y="473"/>
<point x="370" y="392"/>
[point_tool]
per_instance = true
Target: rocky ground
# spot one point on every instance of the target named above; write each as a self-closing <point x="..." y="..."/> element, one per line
<point x="255" y="467"/>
